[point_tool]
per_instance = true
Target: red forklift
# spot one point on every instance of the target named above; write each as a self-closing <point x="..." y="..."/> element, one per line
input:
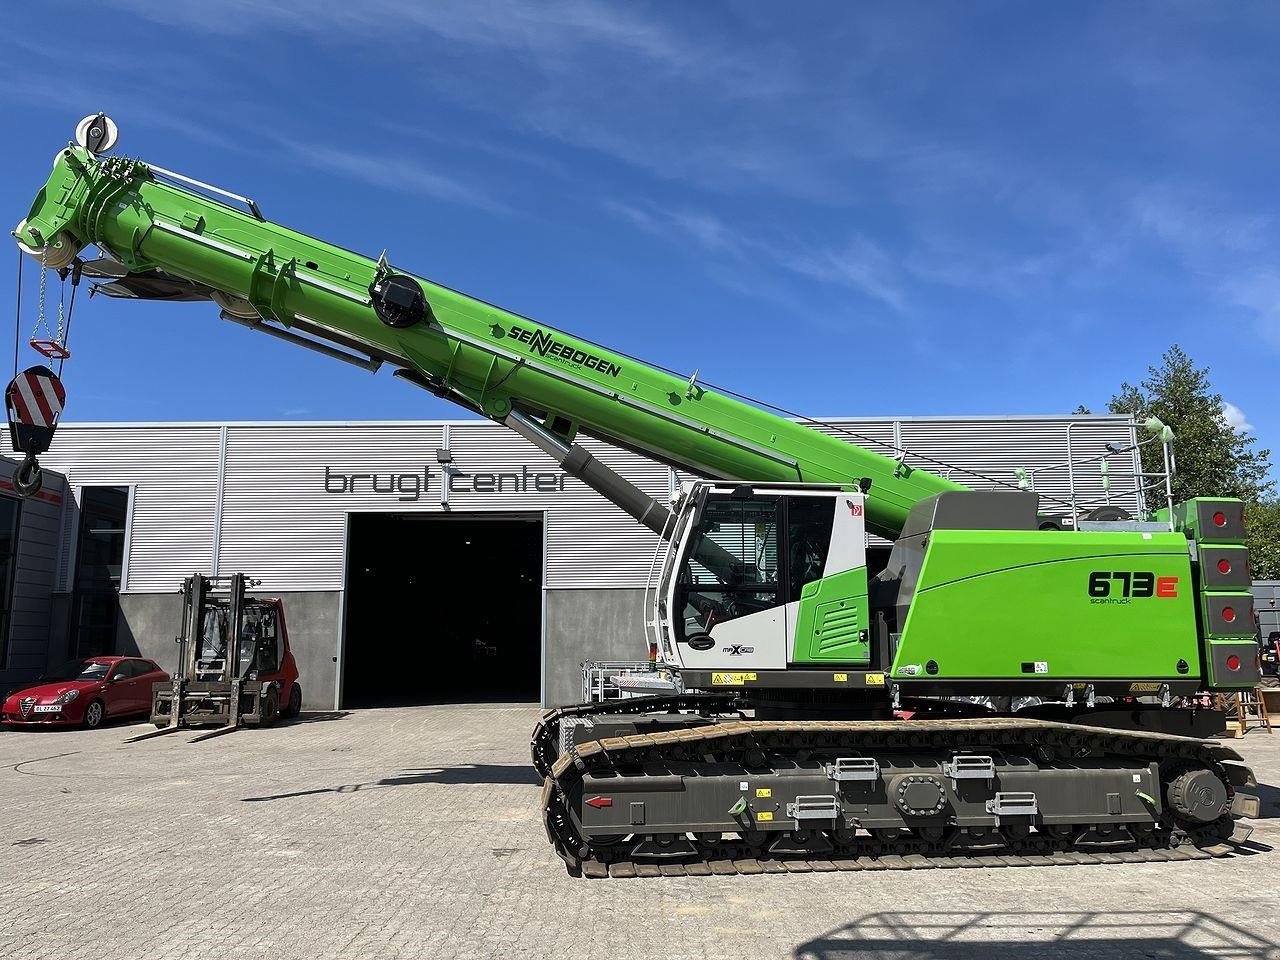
<point x="235" y="666"/>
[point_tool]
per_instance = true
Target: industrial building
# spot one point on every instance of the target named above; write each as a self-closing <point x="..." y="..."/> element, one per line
<point x="418" y="561"/>
<point x="1266" y="603"/>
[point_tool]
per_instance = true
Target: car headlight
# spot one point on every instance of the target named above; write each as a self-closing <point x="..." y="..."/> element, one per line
<point x="68" y="696"/>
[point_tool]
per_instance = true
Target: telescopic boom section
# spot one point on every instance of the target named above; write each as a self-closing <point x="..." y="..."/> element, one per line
<point x="169" y="236"/>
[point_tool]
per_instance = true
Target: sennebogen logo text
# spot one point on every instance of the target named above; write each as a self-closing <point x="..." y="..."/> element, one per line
<point x="545" y="345"/>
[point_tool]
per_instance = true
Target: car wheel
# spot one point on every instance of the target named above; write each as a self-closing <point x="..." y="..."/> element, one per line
<point x="94" y="714"/>
<point x="295" y="702"/>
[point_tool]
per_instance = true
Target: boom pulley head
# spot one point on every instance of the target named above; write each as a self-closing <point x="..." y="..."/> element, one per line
<point x="97" y="133"/>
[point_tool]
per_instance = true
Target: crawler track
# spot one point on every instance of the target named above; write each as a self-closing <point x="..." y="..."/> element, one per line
<point x="545" y="744"/>
<point x="748" y="866"/>
<point x="694" y="752"/>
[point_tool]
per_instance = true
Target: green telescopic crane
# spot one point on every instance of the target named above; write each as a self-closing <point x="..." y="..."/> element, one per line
<point x="170" y="237"/>
<point x="784" y="730"/>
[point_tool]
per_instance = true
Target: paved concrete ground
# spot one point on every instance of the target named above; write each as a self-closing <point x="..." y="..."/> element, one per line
<point x="414" y="833"/>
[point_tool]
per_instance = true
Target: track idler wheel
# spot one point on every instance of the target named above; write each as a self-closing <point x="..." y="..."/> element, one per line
<point x="1197" y="796"/>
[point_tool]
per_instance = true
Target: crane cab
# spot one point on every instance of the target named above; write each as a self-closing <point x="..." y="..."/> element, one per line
<point x="763" y="577"/>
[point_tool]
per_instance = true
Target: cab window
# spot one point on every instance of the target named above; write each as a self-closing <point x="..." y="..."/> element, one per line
<point x="731" y="567"/>
<point x="809" y="525"/>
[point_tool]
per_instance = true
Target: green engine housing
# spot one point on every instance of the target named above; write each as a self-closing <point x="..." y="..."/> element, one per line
<point x="999" y="603"/>
<point x="995" y="605"/>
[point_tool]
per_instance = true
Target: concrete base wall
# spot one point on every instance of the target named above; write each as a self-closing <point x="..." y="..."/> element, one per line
<point x="588" y="625"/>
<point x="149" y="622"/>
<point x="147" y="626"/>
<point x="580" y="625"/>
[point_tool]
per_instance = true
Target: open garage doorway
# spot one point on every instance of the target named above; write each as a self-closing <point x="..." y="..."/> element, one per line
<point x="442" y="608"/>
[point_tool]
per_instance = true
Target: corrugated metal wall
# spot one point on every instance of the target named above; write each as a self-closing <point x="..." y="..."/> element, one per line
<point x="985" y="452"/>
<point x="36" y="561"/>
<point x="1266" y="602"/>
<point x="276" y="521"/>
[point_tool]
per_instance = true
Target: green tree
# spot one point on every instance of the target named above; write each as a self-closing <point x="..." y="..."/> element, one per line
<point x="1262" y="522"/>
<point x="1214" y="458"/>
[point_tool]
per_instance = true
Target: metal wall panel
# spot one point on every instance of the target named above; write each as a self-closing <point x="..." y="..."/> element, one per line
<point x="35" y="567"/>
<point x="1266" y="603"/>
<point x="174" y="470"/>
<point x="277" y="520"/>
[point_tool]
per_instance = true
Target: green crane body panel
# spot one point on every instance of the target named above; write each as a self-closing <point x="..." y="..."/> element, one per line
<point x="1005" y="604"/>
<point x="832" y="620"/>
<point x="478" y="354"/>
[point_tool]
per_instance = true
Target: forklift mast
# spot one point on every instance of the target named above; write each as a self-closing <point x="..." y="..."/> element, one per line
<point x="210" y="644"/>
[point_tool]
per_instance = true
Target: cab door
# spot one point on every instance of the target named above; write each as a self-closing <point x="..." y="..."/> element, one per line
<point x="728" y="598"/>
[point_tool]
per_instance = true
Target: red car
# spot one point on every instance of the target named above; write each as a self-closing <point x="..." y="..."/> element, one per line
<point x="85" y="693"/>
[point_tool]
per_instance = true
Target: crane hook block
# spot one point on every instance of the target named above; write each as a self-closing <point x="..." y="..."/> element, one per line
<point x="398" y="300"/>
<point x="33" y="401"/>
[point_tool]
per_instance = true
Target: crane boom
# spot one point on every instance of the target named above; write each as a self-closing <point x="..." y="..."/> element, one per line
<point x="177" y="242"/>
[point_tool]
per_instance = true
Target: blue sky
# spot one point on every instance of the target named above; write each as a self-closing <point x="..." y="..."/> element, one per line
<point x="858" y="209"/>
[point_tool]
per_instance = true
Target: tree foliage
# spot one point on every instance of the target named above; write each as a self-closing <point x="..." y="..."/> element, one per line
<point x="1262" y="521"/>
<point x="1214" y="458"/>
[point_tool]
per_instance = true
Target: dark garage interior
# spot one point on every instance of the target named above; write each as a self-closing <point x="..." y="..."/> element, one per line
<point x="442" y="608"/>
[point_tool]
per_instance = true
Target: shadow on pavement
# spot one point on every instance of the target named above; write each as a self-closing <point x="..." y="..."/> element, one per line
<point x="1270" y="798"/>
<point x="1050" y="935"/>
<point x="316" y="716"/>
<point x="518" y="774"/>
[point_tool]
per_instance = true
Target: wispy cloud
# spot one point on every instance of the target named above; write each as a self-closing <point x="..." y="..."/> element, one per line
<point x="1257" y="290"/>
<point x="1230" y="252"/>
<point x="681" y="225"/>
<point x="547" y="29"/>
<point x="1178" y="217"/>
<point x="392" y="173"/>
<point x="81" y="99"/>
<point x="858" y="264"/>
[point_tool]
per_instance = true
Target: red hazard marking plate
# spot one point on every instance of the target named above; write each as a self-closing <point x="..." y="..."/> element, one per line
<point x="45" y="495"/>
<point x="38" y="397"/>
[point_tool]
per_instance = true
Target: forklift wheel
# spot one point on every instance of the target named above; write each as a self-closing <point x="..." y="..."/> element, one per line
<point x="270" y="707"/>
<point x="295" y="702"/>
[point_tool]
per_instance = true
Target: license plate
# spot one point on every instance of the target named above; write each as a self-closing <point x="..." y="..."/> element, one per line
<point x="47" y="708"/>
